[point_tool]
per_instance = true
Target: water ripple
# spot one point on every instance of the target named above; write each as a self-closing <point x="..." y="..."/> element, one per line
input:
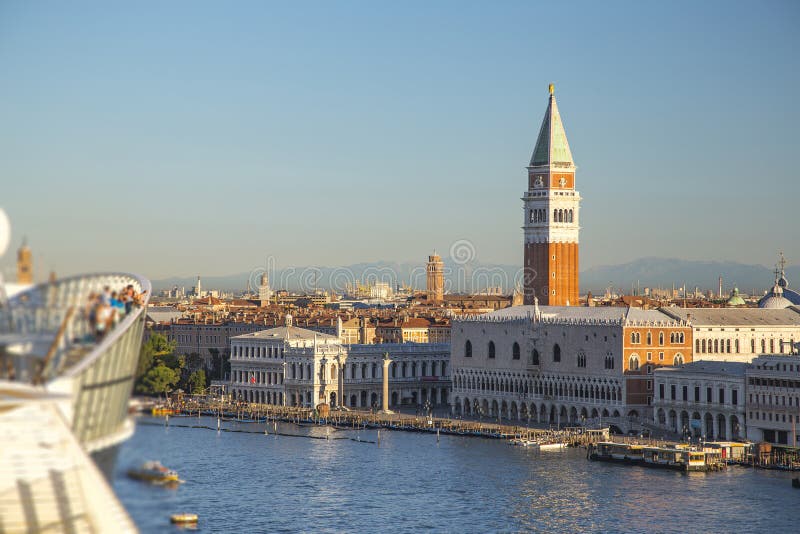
<point x="249" y="482"/>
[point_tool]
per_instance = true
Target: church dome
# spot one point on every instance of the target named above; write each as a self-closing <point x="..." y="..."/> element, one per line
<point x="736" y="299"/>
<point x="775" y="303"/>
<point x="775" y="299"/>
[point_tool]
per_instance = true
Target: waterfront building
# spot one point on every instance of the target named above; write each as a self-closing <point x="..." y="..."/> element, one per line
<point x="739" y="334"/>
<point x="702" y="399"/>
<point x="551" y="221"/>
<point x="299" y="367"/>
<point x="562" y="365"/>
<point x="434" y="285"/>
<point x="773" y="399"/>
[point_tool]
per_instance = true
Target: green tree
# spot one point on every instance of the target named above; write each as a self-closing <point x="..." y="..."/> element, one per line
<point x="158" y="380"/>
<point x="197" y="382"/>
<point x="193" y="361"/>
<point x="156" y="348"/>
<point x="216" y="364"/>
<point x="176" y="362"/>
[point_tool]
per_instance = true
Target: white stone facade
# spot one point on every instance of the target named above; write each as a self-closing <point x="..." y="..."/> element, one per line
<point x="773" y="399"/>
<point x="701" y="399"/>
<point x="557" y="370"/>
<point x="297" y="367"/>
<point x="727" y="334"/>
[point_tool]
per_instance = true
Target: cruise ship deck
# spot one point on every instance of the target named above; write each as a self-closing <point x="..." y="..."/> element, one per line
<point x="64" y="394"/>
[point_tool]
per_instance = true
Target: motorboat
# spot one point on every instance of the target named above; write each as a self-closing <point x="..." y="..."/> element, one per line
<point x="153" y="472"/>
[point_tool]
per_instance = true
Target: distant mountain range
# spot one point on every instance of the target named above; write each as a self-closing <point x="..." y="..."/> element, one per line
<point x="663" y="272"/>
<point x="475" y="276"/>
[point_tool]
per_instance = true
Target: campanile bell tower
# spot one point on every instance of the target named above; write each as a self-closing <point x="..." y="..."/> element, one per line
<point x="551" y="216"/>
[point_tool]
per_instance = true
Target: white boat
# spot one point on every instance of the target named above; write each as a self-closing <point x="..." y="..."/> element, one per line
<point x="542" y="446"/>
<point x="551" y="446"/>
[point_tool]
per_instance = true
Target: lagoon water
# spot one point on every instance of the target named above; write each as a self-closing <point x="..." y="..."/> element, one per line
<point x="244" y="481"/>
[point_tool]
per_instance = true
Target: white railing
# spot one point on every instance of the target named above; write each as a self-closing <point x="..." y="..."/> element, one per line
<point x="98" y="374"/>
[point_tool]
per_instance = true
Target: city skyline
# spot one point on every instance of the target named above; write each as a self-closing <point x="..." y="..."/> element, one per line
<point x="199" y="138"/>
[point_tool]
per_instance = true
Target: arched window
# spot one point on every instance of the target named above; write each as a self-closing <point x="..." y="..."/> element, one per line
<point x="491" y="349"/>
<point x="633" y="363"/>
<point x="677" y="360"/>
<point x="468" y="349"/>
<point x="535" y="357"/>
<point x="649" y="338"/>
<point x="515" y="351"/>
<point x="556" y="353"/>
<point x="555" y="215"/>
<point x="661" y="338"/>
<point x="581" y="359"/>
<point x="697" y="345"/>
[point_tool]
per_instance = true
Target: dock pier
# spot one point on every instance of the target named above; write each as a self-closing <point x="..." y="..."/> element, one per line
<point x="353" y="420"/>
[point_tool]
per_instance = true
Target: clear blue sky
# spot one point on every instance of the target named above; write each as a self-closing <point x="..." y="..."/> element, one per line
<point x="173" y="138"/>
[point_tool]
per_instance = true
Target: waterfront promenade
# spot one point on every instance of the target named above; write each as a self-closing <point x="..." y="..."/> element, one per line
<point x="354" y="419"/>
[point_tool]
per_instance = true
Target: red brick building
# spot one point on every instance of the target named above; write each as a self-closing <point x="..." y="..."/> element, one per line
<point x="551" y="217"/>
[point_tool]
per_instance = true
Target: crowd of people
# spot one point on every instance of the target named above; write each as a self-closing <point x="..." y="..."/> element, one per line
<point x="107" y="308"/>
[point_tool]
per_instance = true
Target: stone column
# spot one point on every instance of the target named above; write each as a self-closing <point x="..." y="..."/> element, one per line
<point x="386" y="362"/>
<point x="728" y="428"/>
<point x="340" y="376"/>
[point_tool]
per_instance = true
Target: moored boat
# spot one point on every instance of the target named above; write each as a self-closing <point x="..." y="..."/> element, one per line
<point x="679" y="457"/>
<point x="154" y="472"/>
<point x="183" y="519"/>
<point x="555" y="446"/>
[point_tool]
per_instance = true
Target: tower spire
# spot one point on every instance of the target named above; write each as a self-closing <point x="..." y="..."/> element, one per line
<point x="551" y="216"/>
<point x="552" y="147"/>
